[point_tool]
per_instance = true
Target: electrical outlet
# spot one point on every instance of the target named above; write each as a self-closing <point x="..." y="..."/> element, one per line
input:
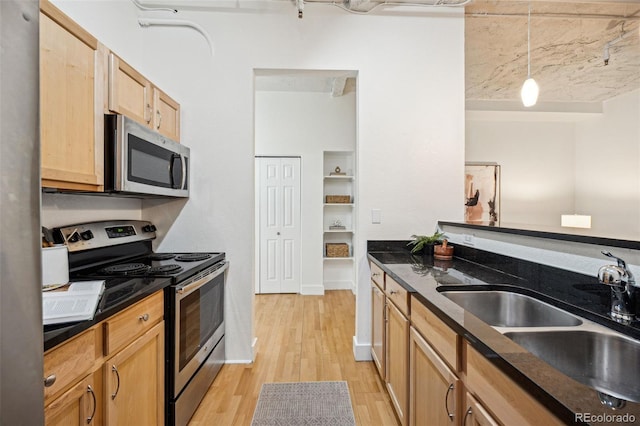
<point x="468" y="240"/>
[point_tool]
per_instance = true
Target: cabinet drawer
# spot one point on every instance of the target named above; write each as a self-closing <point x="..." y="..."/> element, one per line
<point x="436" y="332"/>
<point x="502" y="396"/>
<point x="122" y="328"/>
<point x="377" y="275"/>
<point x="397" y="294"/>
<point x="69" y="362"/>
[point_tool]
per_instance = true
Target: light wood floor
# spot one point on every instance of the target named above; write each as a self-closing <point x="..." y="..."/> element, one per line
<point x="300" y="338"/>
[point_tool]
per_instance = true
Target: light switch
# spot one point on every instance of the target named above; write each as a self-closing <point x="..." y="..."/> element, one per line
<point x="376" y="216"/>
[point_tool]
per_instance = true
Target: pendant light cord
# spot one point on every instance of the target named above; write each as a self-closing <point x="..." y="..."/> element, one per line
<point x="529" y="43"/>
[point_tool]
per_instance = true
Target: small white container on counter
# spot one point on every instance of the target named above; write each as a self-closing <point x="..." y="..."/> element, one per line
<point x="55" y="265"/>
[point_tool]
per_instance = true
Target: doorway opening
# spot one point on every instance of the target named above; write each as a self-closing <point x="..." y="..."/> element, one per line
<point x="310" y="115"/>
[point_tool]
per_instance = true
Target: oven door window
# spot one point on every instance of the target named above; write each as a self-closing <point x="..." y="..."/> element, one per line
<point x="201" y="313"/>
<point x="153" y="165"/>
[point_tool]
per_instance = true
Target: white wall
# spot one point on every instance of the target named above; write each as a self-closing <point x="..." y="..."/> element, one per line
<point x="564" y="163"/>
<point x="608" y="167"/>
<point x="537" y="167"/>
<point x="410" y="120"/>
<point x="69" y="209"/>
<point x="306" y="124"/>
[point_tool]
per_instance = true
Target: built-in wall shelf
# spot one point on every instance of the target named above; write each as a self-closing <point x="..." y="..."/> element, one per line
<point x="339" y="272"/>
<point x="348" y="178"/>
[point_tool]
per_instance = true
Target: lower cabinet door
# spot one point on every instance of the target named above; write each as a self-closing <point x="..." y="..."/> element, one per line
<point x="434" y="390"/>
<point x="77" y="406"/>
<point x="397" y="360"/>
<point x="134" y="382"/>
<point x="377" y="328"/>
<point x="475" y="414"/>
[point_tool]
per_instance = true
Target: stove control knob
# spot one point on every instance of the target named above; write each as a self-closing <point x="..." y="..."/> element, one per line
<point x="86" y="235"/>
<point x="74" y="238"/>
<point x="149" y="228"/>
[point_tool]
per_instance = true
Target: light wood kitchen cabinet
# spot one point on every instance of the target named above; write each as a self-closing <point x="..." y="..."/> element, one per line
<point x="502" y="397"/>
<point x="72" y="90"/>
<point x="134" y="382"/>
<point x="133" y="95"/>
<point x="81" y="374"/>
<point x="397" y="360"/>
<point x="166" y="117"/>
<point x="68" y="363"/>
<point x="475" y="414"/>
<point x="378" y="318"/>
<point x="434" y="388"/>
<point x="129" y="91"/>
<point x="78" y="406"/>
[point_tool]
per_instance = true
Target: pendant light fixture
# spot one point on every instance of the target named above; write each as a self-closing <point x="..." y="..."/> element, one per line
<point x="530" y="90"/>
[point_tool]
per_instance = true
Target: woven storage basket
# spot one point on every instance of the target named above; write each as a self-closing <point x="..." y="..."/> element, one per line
<point x="337" y="250"/>
<point x="341" y="199"/>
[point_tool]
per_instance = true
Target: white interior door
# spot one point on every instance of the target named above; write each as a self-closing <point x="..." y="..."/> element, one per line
<point x="279" y="211"/>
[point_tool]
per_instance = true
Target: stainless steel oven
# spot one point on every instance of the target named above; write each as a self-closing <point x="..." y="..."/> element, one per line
<point x="197" y="308"/>
<point x="120" y="252"/>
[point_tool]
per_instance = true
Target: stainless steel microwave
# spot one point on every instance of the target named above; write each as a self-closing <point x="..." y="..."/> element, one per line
<point x="140" y="161"/>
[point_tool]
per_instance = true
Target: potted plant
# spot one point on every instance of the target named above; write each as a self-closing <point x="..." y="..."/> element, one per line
<point x="425" y="242"/>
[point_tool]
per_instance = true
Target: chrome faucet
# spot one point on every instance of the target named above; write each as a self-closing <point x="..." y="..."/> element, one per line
<point x="623" y="289"/>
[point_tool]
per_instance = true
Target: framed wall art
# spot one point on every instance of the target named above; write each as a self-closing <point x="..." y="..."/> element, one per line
<point x="482" y="193"/>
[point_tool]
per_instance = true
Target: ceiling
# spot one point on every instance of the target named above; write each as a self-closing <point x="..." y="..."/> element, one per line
<point x="568" y="40"/>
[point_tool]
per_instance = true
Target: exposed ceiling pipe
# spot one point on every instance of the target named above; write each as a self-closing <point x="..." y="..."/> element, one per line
<point x="300" y="5"/>
<point x="352" y="6"/>
<point x="141" y="7"/>
<point x="147" y="22"/>
<point x="622" y="36"/>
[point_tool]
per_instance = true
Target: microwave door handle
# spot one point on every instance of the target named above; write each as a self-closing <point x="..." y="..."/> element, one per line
<point x="175" y="158"/>
<point x="185" y="171"/>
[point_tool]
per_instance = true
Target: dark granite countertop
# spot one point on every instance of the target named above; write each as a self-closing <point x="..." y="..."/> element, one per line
<point x="122" y="294"/>
<point x="423" y="275"/>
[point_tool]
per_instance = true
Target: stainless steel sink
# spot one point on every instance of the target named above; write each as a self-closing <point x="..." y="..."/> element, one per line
<point x="506" y="309"/>
<point x="605" y="362"/>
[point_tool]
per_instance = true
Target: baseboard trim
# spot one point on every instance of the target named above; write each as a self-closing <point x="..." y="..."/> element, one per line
<point x="361" y="352"/>
<point x="311" y="290"/>
<point x="238" y="361"/>
<point x="338" y="285"/>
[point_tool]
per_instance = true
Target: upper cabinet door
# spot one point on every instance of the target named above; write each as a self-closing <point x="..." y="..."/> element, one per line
<point x="71" y="103"/>
<point x="129" y="91"/>
<point x="133" y="95"/>
<point x="166" y="117"/>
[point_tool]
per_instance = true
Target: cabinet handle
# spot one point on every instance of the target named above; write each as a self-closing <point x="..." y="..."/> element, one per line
<point x="115" y="370"/>
<point x="393" y="291"/>
<point x="144" y="317"/>
<point x="375" y="274"/>
<point x="95" y="405"/>
<point x="464" y="421"/>
<point x="148" y="113"/>
<point x="446" y="401"/>
<point x="159" y="114"/>
<point x="49" y="380"/>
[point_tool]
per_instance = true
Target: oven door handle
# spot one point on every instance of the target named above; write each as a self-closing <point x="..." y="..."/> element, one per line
<point x="186" y="289"/>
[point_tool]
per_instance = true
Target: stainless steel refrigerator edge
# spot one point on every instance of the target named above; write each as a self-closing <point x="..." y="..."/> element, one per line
<point x="21" y="347"/>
